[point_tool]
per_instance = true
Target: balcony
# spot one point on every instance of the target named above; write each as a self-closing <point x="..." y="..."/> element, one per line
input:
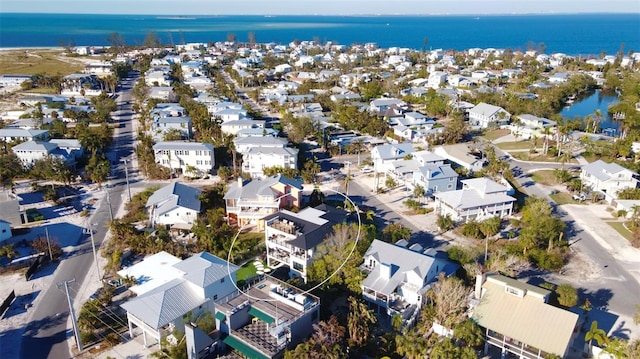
<point x="284" y="226"/>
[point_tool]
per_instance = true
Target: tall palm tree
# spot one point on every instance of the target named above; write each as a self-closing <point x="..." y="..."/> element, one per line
<point x="359" y="322"/>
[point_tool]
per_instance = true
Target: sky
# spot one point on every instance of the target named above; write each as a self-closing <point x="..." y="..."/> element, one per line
<point x="320" y="7"/>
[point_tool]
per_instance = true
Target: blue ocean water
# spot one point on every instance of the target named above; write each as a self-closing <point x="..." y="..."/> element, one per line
<point x="571" y="34"/>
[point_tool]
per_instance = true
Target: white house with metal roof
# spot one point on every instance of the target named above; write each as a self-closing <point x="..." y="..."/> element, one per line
<point x="608" y="178"/>
<point x="29" y="152"/>
<point x="383" y="155"/>
<point x="175" y="204"/>
<point x="529" y="126"/>
<point x="485" y="115"/>
<point x="517" y="319"/>
<point x="479" y="198"/>
<point x="174" y="288"/>
<point x="9" y="134"/>
<point x="247" y="202"/>
<point x="195" y="158"/>
<point x="398" y="278"/>
<point x="256" y="159"/>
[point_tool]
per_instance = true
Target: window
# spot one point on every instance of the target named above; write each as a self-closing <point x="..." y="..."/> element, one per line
<point x="449" y="186"/>
<point x="297" y="266"/>
<point x="222" y="280"/>
<point x="215" y="297"/>
<point x="451" y="179"/>
<point x="186" y="153"/>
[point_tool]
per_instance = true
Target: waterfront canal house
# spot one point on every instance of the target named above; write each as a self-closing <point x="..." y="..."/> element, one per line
<point x="398" y="278"/>
<point x="292" y="238"/>
<point x="608" y="178"/>
<point x="479" y="198"/>
<point x="171" y="291"/>
<point x="248" y="202"/>
<point x="517" y="319"/>
<point x="267" y="318"/>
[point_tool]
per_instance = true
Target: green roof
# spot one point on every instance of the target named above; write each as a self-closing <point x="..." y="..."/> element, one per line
<point x="221" y="316"/>
<point x="243" y="348"/>
<point x="260" y="315"/>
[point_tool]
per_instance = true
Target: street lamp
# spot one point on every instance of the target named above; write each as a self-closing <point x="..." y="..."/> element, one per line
<point x="126" y="174"/>
<point x="93" y="245"/>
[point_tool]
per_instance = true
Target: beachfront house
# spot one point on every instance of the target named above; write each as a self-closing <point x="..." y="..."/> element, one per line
<point x="608" y="178"/>
<point x="170" y="290"/>
<point x="398" y="278"/>
<point x="248" y="202"/>
<point x="479" y="199"/>
<point x="174" y="205"/>
<point x="292" y="238"/>
<point x="517" y="319"/>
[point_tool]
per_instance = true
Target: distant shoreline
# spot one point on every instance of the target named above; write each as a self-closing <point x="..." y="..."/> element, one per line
<point x="189" y="16"/>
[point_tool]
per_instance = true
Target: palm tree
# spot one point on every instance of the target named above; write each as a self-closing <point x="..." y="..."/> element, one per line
<point x="359" y="322"/>
<point x="596" y="334"/>
<point x="419" y="192"/>
<point x="445" y="222"/>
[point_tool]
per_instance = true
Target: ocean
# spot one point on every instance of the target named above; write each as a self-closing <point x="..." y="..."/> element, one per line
<point x="585" y="34"/>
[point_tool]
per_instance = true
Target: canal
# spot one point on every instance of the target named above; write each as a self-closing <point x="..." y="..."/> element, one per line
<point x="587" y="106"/>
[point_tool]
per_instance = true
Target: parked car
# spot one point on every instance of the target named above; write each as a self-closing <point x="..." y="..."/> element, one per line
<point x="579" y="197"/>
<point x="366" y="170"/>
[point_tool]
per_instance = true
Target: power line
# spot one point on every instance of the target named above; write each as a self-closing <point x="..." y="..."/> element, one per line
<point x="114" y="316"/>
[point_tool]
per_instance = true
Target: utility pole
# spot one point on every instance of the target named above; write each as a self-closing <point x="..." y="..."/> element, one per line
<point x="46" y="231"/>
<point x="95" y="256"/>
<point x="109" y="203"/>
<point x="74" y="320"/>
<point x="126" y="174"/>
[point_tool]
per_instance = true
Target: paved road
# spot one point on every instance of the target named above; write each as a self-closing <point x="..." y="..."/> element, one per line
<point x="617" y="290"/>
<point x="46" y="333"/>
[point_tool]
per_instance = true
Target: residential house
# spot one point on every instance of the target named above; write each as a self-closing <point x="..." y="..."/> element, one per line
<point x="292" y="238"/>
<point x="518" y="319"/>
<point x="10" y="209"/>
<point x="175" y="204"/>
<point x="164" y="93"/>
<point x="383" y="155"/>
<point x="5" y="230"/>
<point x="435" y="178"/>
<point x="18" y="135"/>
<point x="485" y="115"/>
<point x="461" y="155"/>
<point x="191" y="158"/>
<point x="382" y="104"/>
<point x="479" y="198"/>
<point x="169" y="289"/>
<point x="398" y="278"/>
<point x="256" y="159"/>
<point x="233" y="127"/>
<point x="529" y="126"/>
<point x="161" y="126"/>
<point x="13" y="80"/>
<point x="248" y="202"/>
<point x="244" y="144"/>
<point x="266" y="318"/>
<point x="608" y="178"/>
<point x="29" y="152"/>
<point x="80" y="85"/>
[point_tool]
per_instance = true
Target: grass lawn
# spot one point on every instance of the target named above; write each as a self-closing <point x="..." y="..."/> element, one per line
<point x="545" y="177"/>
<point x="563" y="198"/>
<point x="620" y="228"/>
<point x="518" y="145"/>
<point x="38" y="61"/>
<point x="525" y="156"/>
<point x="590" y="157"/>
<point x="495" y="133"/>
<point x="246" y="271"/>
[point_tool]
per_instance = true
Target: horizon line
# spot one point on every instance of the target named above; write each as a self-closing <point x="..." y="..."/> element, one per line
<point x="551" y="13"/>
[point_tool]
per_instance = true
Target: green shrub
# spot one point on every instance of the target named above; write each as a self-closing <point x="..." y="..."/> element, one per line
<point x="567" y="295"/>
<point x="461" y="255"/>
<point x="553" y="260"/>
<point x="472" y="230"/>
